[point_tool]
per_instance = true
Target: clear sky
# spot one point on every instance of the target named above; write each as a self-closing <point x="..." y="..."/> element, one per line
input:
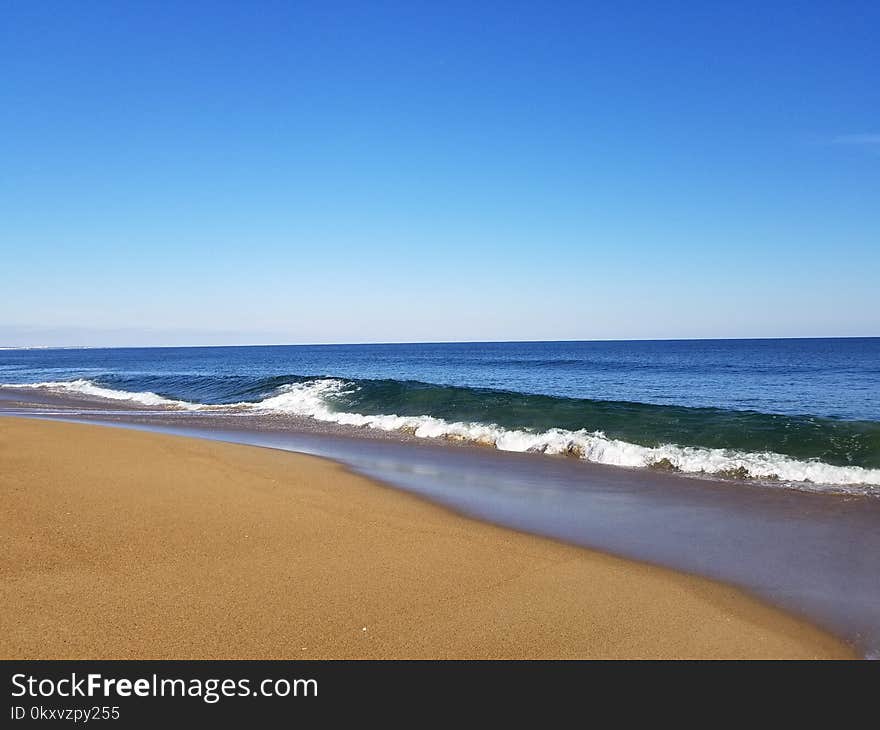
<point x="249" y="172"/>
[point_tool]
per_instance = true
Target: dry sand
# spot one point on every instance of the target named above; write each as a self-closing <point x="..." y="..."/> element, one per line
<point x="123" y="544"/>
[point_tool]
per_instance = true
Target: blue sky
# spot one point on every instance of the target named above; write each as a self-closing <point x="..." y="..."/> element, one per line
<point x="206" y="173"/>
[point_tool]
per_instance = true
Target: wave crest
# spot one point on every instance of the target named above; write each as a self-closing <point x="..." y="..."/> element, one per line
<point x="321" y="399"/>
<point x="311" y="399"/>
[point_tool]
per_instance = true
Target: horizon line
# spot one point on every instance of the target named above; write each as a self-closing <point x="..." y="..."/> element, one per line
<point x="435" y="342"/>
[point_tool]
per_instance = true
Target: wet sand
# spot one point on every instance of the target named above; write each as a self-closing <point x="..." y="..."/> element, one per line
<point x="124" y="544"/>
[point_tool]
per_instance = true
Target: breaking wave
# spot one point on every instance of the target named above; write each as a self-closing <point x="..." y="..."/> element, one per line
<point x="806" y="451"/>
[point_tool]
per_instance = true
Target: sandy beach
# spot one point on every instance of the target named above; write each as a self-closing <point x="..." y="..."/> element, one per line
<point x="124" y="544"/>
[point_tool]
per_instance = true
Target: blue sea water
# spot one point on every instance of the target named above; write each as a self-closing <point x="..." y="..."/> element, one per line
<point x="807" y="411"/>
<point x="791" y="409"/>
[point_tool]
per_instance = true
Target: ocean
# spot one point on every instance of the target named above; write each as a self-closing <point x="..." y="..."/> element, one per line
<point x="803" y="412"/>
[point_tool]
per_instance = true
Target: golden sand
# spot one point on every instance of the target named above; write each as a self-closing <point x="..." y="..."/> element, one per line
<point x="124" y="544"/>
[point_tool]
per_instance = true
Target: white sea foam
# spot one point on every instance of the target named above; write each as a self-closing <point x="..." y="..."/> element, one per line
<point x="313" y="399"/>
<point x="88" y="388"/>
<point x="310" y="399"/>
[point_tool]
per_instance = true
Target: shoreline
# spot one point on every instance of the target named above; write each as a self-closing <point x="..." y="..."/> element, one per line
<point x="306" y="412"/>
<point x="420" y="578"/>
<point x="807" y="554"/>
